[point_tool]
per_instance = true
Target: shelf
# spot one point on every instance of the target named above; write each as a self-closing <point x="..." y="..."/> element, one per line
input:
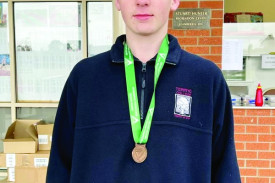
<point x="239" y="83"/>
<point x="253" y="107"/>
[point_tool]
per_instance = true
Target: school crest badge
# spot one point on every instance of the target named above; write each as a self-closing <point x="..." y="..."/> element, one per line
<point x="183" y="103"/>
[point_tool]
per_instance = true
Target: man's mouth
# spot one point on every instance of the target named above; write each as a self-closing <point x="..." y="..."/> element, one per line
<point x="143" y="16"/>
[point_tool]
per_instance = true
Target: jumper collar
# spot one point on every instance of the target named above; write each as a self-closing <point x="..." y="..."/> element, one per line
<point x="172" y="58"/>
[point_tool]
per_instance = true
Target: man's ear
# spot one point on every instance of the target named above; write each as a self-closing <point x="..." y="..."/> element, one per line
<point x="117" y="3"/>
<point x="175" y="4"/>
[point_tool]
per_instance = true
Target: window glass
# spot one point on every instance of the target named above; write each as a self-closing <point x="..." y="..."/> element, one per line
<point x="48" y="44"/>
<point x="100" y="27"/>
<point x="46" y="114"/>
<point x="5" y="121"/>
<point x="4" y="54"/>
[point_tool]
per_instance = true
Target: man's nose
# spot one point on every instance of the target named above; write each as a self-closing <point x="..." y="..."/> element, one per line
<point x="143" y="2"/>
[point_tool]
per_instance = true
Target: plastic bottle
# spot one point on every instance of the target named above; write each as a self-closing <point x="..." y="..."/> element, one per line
<point x="259" y="96"/>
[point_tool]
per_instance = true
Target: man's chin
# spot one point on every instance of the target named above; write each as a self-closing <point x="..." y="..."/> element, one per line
<point x="145" y="33"/>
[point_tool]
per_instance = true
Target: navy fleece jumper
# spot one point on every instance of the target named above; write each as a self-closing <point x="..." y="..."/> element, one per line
<point x="191" y="138"/>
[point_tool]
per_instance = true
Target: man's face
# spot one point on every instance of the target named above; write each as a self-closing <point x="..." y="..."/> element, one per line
<point x="146" y="17"/>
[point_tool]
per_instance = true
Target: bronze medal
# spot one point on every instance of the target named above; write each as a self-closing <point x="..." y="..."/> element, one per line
<point x="139" y="153"/>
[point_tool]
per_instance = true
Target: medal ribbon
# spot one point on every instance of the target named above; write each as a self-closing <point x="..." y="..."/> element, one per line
<point x="141" y="136"/>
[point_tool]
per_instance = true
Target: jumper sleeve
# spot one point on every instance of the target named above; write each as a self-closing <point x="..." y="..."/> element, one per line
<point x="59" y="167"/>
<point x="224" y="160"/>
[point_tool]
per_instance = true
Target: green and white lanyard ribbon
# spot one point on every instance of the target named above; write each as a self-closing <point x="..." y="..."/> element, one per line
<point x="141" y="136"/>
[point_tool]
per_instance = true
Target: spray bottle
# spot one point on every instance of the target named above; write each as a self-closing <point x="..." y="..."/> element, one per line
<point x="259" y="96"/>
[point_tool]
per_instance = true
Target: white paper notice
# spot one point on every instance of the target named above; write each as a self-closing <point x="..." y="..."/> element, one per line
<point x="10" y="160"/>
<point x="43" y="139"/>
<point x="11" y="174"/>
<point x="232" y="52"/>
<point x="268" y="61"/>
<point x="41" y="162"/>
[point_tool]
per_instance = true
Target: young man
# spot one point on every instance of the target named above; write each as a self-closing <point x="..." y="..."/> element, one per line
<point x="145" y="111"/>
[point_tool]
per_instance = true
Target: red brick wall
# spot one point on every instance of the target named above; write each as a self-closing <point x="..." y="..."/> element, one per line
<point x="255" y="143"/>
<point x="254" y="128"/>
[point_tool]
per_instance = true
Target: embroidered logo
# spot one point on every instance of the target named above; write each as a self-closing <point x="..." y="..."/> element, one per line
<point x="183" y="101"/>
<point x="129" y="62"/>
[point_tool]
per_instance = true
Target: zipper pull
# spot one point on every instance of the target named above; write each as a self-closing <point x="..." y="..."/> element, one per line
<point x="143" y="67"/>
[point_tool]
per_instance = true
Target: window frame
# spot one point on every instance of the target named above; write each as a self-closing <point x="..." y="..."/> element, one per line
<point x="118" y="28"/>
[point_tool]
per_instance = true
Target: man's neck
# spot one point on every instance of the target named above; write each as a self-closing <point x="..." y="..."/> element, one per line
<point x="144" y="47"/>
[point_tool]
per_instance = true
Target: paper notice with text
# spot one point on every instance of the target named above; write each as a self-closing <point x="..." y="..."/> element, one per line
<point x="232" y="54"/>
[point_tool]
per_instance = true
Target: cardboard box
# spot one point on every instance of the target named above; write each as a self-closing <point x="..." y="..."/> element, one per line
<point x="44" y="136"/>
<point x="21" y="126"/>
<point x="2" y="160"/>
<point x="26" y="165"/>
<point x="38" y="159"/>
<point x="30" y="174"/>
<point x="26" y="140"/>
<point x="7" y="160"/>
